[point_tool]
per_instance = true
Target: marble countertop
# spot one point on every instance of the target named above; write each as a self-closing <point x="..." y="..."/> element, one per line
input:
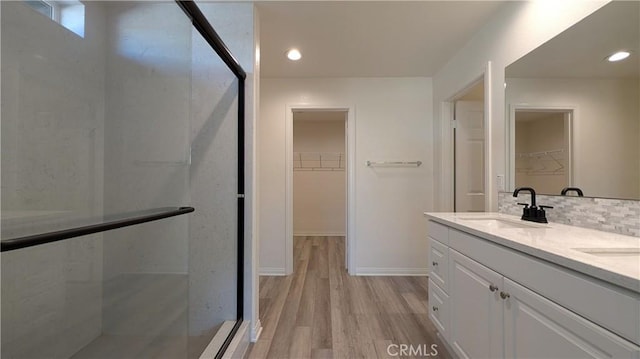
<point x="611" y="257"/>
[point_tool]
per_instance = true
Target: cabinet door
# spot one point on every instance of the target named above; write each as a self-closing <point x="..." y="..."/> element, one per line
<point x="475" y="308"/>
<point x="535" y="327"/>
<point x="439" y="309"/>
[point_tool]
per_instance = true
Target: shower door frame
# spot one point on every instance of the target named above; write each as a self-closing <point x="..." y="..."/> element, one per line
<point x="202" y="25"/>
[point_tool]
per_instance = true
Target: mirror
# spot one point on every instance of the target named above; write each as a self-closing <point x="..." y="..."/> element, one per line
<point x="573" y="116"/>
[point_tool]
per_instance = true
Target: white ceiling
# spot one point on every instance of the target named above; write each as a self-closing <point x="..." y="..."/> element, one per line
<point x="366" y="38"/>
<point x="580" y="51"/>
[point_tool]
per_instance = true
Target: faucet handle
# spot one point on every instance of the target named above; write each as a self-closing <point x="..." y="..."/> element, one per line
<point x="543" y="207"/>
<point x="526" y="205"/>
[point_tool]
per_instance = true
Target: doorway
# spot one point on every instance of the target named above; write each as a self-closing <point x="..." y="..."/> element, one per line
<point x="542" y="149"/>
<point x="469" y="150"/>
<point x="320" y="178"/>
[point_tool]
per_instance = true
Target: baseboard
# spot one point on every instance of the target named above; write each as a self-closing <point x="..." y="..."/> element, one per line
<point x="272" y="271"/>
<point x="256" y="330"/>
<point x="319" y="234"/>
<point x="376" y="271"/>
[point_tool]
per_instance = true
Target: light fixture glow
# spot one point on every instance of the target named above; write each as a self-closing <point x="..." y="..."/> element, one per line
<point x="618" y="56"/>
<point x="294" y="55"/>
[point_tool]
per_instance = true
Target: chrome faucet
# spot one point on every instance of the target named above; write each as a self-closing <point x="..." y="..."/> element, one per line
<point x="532" y="212"/>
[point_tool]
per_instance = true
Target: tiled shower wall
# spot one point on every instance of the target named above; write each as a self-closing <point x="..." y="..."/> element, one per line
<point x="620" y="216"/>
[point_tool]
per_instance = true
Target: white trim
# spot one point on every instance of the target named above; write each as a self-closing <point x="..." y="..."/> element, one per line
<point x="447" y="116"/>
<point x="272" y="271"/>
<point x="350" y="244"/>
<point x="319" y="234"/>
<point x="256" y="330"/>
<point x="490" y="194"/>
<point x="407" y="272"/>
<point x="511" y="139"/>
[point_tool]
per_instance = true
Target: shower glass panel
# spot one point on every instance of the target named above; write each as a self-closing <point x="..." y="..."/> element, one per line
<point x="213" y="248"/>
<point x="137" y="116"/>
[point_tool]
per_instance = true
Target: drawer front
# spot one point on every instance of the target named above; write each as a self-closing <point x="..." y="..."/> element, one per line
<point x="438" y="232"/>
<point x="611" y="307"/>
<point x="439" y="264"/>
<point x="439" y="309"/>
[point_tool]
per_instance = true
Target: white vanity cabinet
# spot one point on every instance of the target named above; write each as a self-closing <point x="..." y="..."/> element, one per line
<point x="488" y="314"/>
<point x="475" y="309"/>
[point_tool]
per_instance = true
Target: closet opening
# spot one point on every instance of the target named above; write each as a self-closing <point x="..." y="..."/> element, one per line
<point x="319" y="186"/>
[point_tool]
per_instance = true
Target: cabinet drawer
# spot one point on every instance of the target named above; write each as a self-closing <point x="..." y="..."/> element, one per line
<point x="439" y="264"/>
<point x="438" y="232"/>
<point x="439" y="309"/>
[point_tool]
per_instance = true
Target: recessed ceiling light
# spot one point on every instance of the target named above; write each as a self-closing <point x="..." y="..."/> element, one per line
<point x="618" y="56"/>
<point x="294" y="55"/>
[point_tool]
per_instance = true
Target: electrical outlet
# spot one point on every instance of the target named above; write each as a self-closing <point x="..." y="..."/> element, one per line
<point x="500" y="183"/>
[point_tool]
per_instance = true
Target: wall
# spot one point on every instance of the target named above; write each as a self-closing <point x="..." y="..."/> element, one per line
<point x="392" y="122"/>
<point x="513" y="32"/>
<point x="606" y="129"/>
<point x="52" y="150"/>
<point x="319" y="197"/>
<point x="620" y="216"/>
<point x="542" y="172"/>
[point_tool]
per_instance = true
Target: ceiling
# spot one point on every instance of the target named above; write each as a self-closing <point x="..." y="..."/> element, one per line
<point x="580" y="51"/>
<point x="366" y="38"/>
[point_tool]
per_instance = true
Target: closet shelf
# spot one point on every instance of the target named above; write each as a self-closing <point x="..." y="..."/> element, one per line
<point x="319" y="161"/>
<point x="546" y="163"/>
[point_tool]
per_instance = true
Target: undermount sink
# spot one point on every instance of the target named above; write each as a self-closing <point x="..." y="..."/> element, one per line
<point x="611" y="252"/>
<point x="499" y="222"/>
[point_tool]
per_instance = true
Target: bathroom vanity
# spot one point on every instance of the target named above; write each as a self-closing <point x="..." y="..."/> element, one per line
<point x="500" y="287"/>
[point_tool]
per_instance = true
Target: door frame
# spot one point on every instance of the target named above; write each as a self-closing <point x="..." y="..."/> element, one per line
<point x="350" y="238"/>
<point x="511" y="137"/>
<point x="447" y="114"/>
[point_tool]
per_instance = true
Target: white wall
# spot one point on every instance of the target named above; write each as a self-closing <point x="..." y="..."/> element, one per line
<point x="392" y="122"/>
<point x="319" y="197"/>
<point x="606" y="129"/>
<point x="515" y="30"/>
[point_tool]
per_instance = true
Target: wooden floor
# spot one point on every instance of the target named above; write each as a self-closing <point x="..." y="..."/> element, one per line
<point x="322" y="312"/>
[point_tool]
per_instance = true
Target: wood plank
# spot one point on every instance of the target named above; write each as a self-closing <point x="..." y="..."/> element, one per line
<point x="322" y="312"/>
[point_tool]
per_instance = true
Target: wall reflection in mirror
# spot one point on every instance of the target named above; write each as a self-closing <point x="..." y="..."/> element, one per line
<point x="574" y="116"/>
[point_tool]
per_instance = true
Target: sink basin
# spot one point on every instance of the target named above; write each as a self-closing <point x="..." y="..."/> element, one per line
<point x="499" y="222"/>
<point x="611" y="252"/>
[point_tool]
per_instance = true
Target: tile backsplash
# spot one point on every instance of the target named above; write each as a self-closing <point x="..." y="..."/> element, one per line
<point x="620" y="216"/>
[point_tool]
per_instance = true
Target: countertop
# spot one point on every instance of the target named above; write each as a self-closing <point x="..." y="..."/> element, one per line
<point x="559" y="244"/>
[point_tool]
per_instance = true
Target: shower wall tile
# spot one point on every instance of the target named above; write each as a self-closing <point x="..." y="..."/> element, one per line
<point x="620" y="216"/>
<point x="52" y="173"/>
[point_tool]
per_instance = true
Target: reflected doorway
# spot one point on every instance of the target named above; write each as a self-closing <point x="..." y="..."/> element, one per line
<point x="543" y="149"/>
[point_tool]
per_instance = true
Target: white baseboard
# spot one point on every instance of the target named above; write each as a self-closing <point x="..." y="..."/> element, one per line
<point x="256" y="330"/>
<point x="376" y="271"/>
<point x="272" y="271"/>
<point x="319" y="234"/>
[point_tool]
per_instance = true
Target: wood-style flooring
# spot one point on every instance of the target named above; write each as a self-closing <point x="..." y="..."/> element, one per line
<point x="322" y="312"/>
